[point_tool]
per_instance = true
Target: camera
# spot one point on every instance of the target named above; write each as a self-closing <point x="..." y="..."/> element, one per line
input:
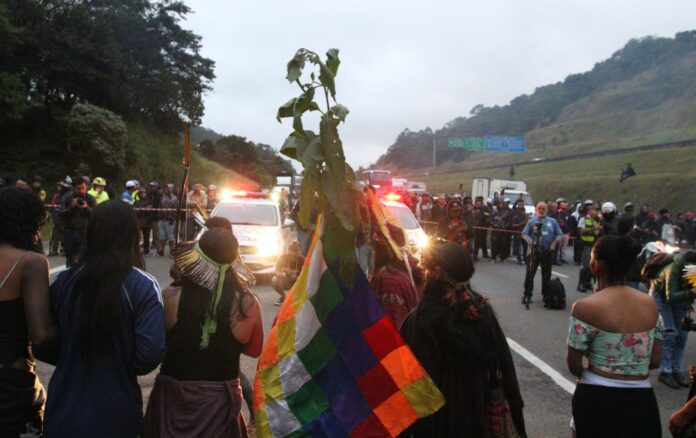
<point x="537" y="228"/>
<point x="80" y="201"/>
<point x="688" y="323"/>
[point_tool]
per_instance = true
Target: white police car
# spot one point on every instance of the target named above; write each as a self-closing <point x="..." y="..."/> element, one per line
<point x="415" y="236"/>
<point x="258" y="226"/>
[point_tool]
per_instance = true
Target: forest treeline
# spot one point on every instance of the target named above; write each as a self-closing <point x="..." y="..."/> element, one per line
<point x="100" y="87"/>
<point x="545" y="105"/>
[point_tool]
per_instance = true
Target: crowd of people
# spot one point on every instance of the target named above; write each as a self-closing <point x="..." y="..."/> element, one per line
<point x="105" y="320"/>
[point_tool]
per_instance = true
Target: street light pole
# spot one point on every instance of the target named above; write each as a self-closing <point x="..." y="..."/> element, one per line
<point x="434" y="156"/>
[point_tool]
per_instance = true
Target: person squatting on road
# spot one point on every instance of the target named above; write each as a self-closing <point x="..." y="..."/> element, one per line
<point x="542" y="234"/>
<point x="455" y="335"/>
<point x="211" y="320"/>
<point x="287" y="270"/>
<point x="620" y="331"/>
<point x="25" y="321"/>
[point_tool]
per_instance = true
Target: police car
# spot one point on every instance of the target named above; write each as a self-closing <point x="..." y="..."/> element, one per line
<point x="415" y="236"/>
<point x="259" y="227"/>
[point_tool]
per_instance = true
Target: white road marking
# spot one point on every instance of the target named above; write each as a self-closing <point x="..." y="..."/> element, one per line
<point x="545" y="368"/>
<point x="56" y="270"/>
<point x="559" y="274"/>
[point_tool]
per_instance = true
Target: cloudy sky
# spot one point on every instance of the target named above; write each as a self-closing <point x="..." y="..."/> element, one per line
<point x="408" y="64"/>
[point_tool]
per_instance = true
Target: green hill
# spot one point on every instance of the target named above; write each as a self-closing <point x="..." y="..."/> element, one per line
<point x="644" y="94"/>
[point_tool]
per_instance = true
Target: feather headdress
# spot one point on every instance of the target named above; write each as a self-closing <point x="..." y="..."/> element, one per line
<point x="690" y="275"/>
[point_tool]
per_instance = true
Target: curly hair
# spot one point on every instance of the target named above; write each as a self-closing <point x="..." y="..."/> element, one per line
<point x="21" y="216"/>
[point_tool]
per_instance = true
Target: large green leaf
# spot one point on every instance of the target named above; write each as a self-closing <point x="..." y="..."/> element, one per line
<point x="326" y="77"/>
<point x="332" y="61"/>
<point x="286" y="110"/>
<point x="312" y="156"/>
<point x="295" y="66"/>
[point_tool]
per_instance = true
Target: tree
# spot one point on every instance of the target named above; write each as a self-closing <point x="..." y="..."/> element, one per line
<point x="97" y="137"/>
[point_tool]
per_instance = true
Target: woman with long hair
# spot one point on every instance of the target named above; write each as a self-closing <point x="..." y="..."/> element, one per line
<point x="212" y="319"/>
<point x="619" y="331"/>
<point x="111" y="323"/>
<point x="456" y="337"/>
<point x="24" y="312"/>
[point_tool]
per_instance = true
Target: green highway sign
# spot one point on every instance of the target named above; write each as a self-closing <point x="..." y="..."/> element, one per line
<point x="455" y="142"/>
<point x="468" y="143"/>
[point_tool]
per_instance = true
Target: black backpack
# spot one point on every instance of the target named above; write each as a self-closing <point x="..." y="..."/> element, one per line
<point x="555" y="296"/>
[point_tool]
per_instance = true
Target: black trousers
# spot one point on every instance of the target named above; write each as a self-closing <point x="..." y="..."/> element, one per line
<point x="145" y="231"/>
<point x="498" y="245"/>
<point x="480" y="242"/>
<point x="536" y="258"/>
<point x="577" y="251"/>
<point x="74" y="242"/>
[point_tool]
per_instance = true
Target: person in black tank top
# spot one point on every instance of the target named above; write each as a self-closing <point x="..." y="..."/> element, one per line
<point x="211" y="320"/>
<point x="24" y="312"/>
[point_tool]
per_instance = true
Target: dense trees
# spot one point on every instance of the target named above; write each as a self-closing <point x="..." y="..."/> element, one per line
<point x="70" y="70"/>
<point x="541" y="108"/>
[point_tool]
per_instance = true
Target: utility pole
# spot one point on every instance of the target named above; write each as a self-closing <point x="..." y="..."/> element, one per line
<point x="434" y="156"/>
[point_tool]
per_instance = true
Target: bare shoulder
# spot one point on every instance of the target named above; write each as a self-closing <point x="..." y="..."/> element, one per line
<point x="584" y="307"/>
<point x="249" y="303"/>
<point x="34" y="263"/>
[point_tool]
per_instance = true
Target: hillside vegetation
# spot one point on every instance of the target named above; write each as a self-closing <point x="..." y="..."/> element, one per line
<point x="644" y="94"/>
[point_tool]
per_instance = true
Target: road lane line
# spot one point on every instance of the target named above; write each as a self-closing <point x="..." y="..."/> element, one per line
<point x="559" y="274"/>
<point x="543" y="366"/>
<point x="56" y="270"/>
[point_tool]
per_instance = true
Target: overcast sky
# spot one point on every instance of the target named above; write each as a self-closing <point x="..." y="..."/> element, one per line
<point x="408" y="64"/>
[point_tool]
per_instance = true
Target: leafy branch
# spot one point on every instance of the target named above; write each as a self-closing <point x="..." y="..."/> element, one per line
<point x="329" y="185"/>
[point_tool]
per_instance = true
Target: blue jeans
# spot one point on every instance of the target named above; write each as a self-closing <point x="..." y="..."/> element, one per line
<point x="674" y="341"/>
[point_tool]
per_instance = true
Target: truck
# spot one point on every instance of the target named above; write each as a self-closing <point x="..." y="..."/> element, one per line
<point x="381" y="180"/>
<point x="415" y="187"/>
<point x="503" y="188"/>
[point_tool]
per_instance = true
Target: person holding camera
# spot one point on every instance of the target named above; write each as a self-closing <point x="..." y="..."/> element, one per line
<point x="74" y="212"/>
<point x="542" y="234"/>
<point x="673" y="297"/>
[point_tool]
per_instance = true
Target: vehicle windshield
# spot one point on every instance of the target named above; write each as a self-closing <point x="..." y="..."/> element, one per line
<point x="380" y="178"/>
<point x="528" y="200"/>
<point x="404" y="216"/>
<point x="248" y="214"/>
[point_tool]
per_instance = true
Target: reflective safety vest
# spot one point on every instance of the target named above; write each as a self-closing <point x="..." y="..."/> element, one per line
<point x="588" y="238"/>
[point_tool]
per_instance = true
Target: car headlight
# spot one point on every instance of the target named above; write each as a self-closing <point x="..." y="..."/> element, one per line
<point x="422" y="240"/>
<point x="268" y="245"/>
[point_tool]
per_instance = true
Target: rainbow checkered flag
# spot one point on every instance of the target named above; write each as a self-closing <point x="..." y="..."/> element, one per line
<point x="333" y="363"/>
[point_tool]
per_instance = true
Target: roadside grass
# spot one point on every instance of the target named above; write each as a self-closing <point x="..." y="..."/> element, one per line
<point x="664" y="179"/>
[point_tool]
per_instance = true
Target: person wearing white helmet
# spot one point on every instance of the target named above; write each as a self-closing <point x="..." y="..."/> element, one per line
<point x="127" y="195"/>
<point x="609" y="218"/>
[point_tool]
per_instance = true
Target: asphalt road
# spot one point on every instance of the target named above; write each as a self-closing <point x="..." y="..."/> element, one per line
<point x="539" y="331"/>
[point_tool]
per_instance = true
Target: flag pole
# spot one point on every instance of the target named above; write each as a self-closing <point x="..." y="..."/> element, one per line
<point x="186" y="161"/>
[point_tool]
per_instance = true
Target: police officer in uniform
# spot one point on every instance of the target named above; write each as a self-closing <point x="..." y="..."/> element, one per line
<point x="589" y="229"/>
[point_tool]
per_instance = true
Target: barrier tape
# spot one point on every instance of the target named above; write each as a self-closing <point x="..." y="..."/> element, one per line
<point x="138" y="208"/>
<point x="489" y="228"/>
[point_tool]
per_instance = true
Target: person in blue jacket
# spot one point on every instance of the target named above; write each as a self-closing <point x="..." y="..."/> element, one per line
<point x="110" y="318"/>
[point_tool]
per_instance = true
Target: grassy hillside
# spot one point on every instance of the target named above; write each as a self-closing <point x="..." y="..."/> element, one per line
<point x="664" y="179"/>
<point x="152" y="155"/>
<point x="644" y="94"/>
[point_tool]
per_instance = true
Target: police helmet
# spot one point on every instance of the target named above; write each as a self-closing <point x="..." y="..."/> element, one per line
<point x="608" y="207"/>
